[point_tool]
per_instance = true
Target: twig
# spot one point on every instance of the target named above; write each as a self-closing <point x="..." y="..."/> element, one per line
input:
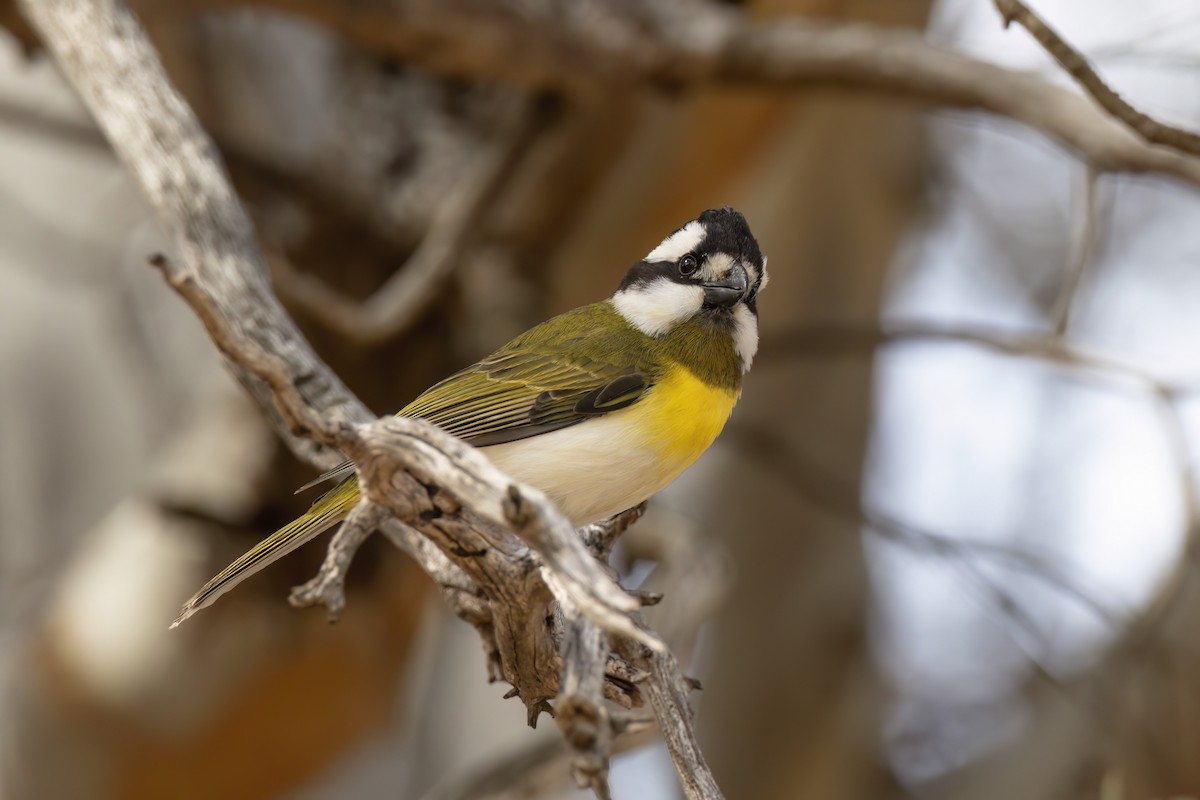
<point x="1084" y="242"/>
<point x="826" y="341"/>
<point x="819" y="486"/>
<point x="580" y="710"/>
<point x="396" y="305"/>
<point x="602" y="536"/>
<point x="668" y="692"/>
<point x="327" y="588"/>
<point x="1078" y="67"/>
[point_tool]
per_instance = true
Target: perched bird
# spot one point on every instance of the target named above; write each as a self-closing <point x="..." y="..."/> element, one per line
<point x="600" y="407"/>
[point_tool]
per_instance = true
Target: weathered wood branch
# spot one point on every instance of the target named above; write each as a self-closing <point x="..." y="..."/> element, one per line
<point x="584" y="48"/>
<point x="500" y="544"/>
<point x="686" y="564"/>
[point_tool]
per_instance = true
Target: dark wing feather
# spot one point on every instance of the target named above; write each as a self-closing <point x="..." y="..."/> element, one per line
<point x="520" y="392"/>
<point x="342" y="470"/>
<point x="524" y="392"/>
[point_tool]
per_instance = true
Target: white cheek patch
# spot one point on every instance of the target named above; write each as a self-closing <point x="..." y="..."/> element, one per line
<point x="656" y="307"/>
<point x="745" y="335"/>
<point x="766" y="277"/>
<point x="679" y="243"/>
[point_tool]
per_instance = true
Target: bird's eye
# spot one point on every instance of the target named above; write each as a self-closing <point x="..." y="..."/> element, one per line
<point x="688" y="265"/>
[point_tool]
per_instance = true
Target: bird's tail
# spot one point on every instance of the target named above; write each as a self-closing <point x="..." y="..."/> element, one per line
<point x="330" y="509"/>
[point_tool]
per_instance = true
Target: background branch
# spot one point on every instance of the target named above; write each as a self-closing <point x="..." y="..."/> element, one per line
<point x="581" y="48"/>
<point x="1078" y="67"/>
<point x="399" y="302"/>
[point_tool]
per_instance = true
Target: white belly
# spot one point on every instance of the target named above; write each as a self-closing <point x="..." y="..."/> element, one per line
<point x="592" y="470"/>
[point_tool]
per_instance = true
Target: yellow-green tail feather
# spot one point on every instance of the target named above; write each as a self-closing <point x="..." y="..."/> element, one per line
<point x="330" y="509"/>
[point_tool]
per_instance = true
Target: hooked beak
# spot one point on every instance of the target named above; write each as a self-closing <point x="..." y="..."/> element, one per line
<point x="727" y="291"/>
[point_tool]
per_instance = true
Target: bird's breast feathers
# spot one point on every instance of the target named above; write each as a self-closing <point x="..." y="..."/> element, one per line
<point x="605" y="465"/>
<point x="683" y="416"/>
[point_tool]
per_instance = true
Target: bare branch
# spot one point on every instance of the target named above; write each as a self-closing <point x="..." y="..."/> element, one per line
<point x="584" y="47"/>
<point x="580" y="710"/>
<point x="687" y="565"/>
<point x="173" y="162"/>
<point x="668" y="691"/>
<point x="825" y="341"/>
<point x="602" y="536"/>
<point x="1078" y="67"/>
<point x="327" y="588"/>
<point x="1083" y="248"/>
<point x="432" y="457"/>
<point x="580" y="47"/>
<point x="399" y="302"/>
<point x="905" y="65"/>
<point x="819" y="486"/>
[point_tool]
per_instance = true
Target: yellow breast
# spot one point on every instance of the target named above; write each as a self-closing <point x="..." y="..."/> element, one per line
<point x="681" y="416"/>
<point x="605" y="465"/>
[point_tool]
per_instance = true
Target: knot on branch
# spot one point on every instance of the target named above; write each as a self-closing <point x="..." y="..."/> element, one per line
<point x="516" y="510"/>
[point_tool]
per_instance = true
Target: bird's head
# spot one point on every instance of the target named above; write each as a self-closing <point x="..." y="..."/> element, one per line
<point x="710" y="269"/>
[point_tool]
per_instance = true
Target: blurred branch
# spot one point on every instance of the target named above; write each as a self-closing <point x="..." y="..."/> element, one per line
<point x="399" y="302"/>
<point x="824" y="489"/>
<point x="1187" y="566"/>
<point x="1083" y="248"/>
<point x="825" y="341"/>
<point x="11" y="20"/>
<point x="508" y="539"/>
<point x="1078" y="67"/>
<point x="583" y="48"/>
<point x="537" y="770"/>
<point x="1140" y="632"/>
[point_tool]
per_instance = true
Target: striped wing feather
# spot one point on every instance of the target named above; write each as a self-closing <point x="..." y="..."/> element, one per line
<point x="517" y="393"/>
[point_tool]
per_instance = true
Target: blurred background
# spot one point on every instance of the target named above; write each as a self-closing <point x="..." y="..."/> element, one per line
<point x="959" y="558"/>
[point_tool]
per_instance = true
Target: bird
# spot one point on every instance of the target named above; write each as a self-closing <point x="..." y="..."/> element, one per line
<point x="600" y="407"/>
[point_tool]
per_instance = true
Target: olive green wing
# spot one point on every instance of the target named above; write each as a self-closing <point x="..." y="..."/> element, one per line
<point x="517" y="394"/>
<point x="520" y="392"/>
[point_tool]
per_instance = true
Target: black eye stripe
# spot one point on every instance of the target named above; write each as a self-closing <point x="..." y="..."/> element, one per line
<point x="645" y="272"/>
